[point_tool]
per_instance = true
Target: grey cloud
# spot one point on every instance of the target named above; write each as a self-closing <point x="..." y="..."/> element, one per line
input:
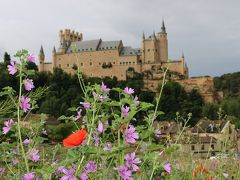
<point x="207" y="31"/>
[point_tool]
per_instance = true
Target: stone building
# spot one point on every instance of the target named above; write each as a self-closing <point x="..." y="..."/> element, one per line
<point x="99" y="58"/>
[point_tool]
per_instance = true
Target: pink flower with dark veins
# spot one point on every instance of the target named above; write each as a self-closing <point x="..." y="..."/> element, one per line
<point x="8" y="125"/>
<point x="131" y="161"/>
<point x="86" y="105"/>
<point x="131" y="135"/>
<point x="79" y="114"/>
<point x="27" y="141"/>
<point x="12" y="69"/>
<point x="104" y="88"/>
<point x="100" y="127"/>
<point x="28" y="84"/>
<point x="31" y="58"/>
<point x="29" y="176"/>
<point x="128" y="90"/>
<point x="25" y="103"/>
<point x="125" y="111"/>
<point x="167" y="168"/>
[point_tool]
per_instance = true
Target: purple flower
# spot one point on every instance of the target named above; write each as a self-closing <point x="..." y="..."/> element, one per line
<point x="125" y="111"/>
<point x="8" y="125"/>
<point x="27" y="141"/>
<point x="131" y="161"/>
<point x="167" y="168"/>
<point x="100" y="127"/>
<point x="157" y="133"/>
<point x="108" y="147"/>
<point x="59" y="170"/>
<point x="2" y="170"/>
<point x="25" y="103"/>
<point x="15" y="161"/>
<point x="124" y="172"/>
<point x="131" y="135"/>
<point x="68" y="174"/>
<point x="44" y="131"/>
<point x="79" y="114"/>
<point x="128" y="91"/>
<point x="96" y="140"/>
<point x="104" y="88"/>
<point x="28" y="84"/>
<point x="31" y="58"/>
<point x="29" y="176"/>
<point x="102" y="98"/>
<point x="86" y="105"/>
<point x="90" y="167"/>
<point x="83" y="176"/>
<point x="136" y="101"/>
<point x="33" y="154"/>
<point x="225" y="175"/>
<point x="12" y="69"/>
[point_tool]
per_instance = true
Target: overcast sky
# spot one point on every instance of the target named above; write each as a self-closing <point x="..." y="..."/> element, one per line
<point x="207" y="31"/>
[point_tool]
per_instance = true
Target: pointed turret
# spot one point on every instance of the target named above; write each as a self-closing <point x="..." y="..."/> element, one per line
<point x="41" y="52"/>
<point x="183" y="56"/>
<point x="153" y="36"/>
<point x="54" y="50"/>
<point x="143" y="36"/>
<point x="163" y="27"/>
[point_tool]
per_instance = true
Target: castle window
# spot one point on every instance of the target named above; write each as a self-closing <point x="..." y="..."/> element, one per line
<point x="120" y="62"/>
<point x="91" y="49"/>
<point x="115" y="46"/>
<point x="99" y="63"/>
<point x="78" y="50"/>
<point x="203" y="147"/>
<point x="106" y="47"/>
<point x="67" y="65"/>
<point x="193" y="147"/>
<point x="111" y="47"/>
<point x="114" y="62"/>
<point x="86" y="49"/>
<point x="90" y="63"/>
<point x="129" y="62"/>
<point x="148" y="50"/>
<point x="133" y="62"/>
<point x="123" y="62"/>
<point x="82" y="49"/>
<point x="130" y="52"/>
<point x="156" y="50"/>
<point x="212" y="146"/>
<point x="59" y="65"/>
<point x="81" y="64"/>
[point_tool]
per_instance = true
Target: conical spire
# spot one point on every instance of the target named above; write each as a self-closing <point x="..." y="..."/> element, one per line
<point x="143" y="36"/>
<point x="183" y="55"/>
<point x="153" y="36"/>
<point x="54" y="50"/>
<point x="163" y="27"/>
<point x="41" y="52"/>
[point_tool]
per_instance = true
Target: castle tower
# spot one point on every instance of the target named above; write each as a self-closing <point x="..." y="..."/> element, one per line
<point x="143" y="48"/>
<point x="41" y="58"/>
<point x="149" y="47"/>
<point x="162" y="44"/>
<point x="66" y="38"/>
<point x="54" y="57"/>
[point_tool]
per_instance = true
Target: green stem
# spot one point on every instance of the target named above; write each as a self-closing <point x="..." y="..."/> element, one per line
<point x="19" y="119"/>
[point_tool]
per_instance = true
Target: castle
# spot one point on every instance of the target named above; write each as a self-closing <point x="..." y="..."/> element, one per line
<point x="98" y="58"/>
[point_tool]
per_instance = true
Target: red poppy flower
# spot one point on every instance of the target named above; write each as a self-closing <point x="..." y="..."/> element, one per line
<point x="75" y="139"/>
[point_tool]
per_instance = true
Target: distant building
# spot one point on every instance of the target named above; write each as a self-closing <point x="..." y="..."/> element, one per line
<point x="98" y="58"/>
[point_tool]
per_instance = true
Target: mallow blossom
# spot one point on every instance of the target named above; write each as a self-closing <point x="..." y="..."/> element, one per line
<point x="28" y="84"/>
<point x="79" y="114"/>
<point x="100" y="127"/>
<point x="25" y="103"/>
<point x="15" y="161"/>
<point x="128" y="90"/>
<point x="124" y="172"/>
<point x="68" y="174"/>
<point x="131" y="135"/>
<point x="83" y="176"/>
<point x="33" y="154"/>
<point x="136" y="101"/>
<point x="29" y="176"/>
<point x="2" y="170"/>
<point x="90" y="167"/>
<point x="125" y="111"/>
<point x="157" y="133"/>
<point x="104" y="88"/>
<point x="108" y="147"/>
<point x="26" y="141"/>
<point x="86" y="105"/>
<point x="131" y="161"/>
<point x="8" y="125"/>
<point x="31" y="58"/>
<point x="12" y="69"/>
<point x="167" y="168"/>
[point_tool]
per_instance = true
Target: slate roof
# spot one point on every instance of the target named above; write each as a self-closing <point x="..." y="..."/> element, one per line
<point x="81" y="46"/>
<point x="109" y="45"/>
<point x="208" y="126"/>
<point x="200" y="140"/>
<point x="128" y="51"/>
